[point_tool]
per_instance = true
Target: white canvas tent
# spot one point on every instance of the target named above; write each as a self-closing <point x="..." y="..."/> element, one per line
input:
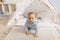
<point x="47" y="30"/>
<point x="42" y="7"/>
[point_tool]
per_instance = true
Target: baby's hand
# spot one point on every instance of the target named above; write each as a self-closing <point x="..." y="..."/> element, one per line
<point x="27" y="33"/>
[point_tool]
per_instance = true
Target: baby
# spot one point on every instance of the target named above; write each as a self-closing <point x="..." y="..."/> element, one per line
<point x="31" y="24"/>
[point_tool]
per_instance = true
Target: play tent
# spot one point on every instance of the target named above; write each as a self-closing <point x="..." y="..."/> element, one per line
<point x="43" y="8"/>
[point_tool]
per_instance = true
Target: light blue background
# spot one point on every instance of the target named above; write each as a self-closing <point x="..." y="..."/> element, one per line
<point x="57" y="4"/>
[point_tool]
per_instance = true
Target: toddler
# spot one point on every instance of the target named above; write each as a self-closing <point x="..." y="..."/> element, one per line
<point x="31" y="24"/>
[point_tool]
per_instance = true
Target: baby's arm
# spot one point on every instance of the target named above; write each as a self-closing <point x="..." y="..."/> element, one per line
<point x="36" y="30"/>
<point x="36" y="27"/>
<point x="26" y="29"/>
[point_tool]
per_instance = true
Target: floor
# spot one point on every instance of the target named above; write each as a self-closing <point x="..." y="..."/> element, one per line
<point x="45" y="33"/>
<point x="17" y="33"/>
<point x="3" y="28"/>
<point x="4" y="20"/>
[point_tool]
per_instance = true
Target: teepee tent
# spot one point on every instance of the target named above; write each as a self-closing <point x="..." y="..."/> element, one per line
<point x="48" y="30"/>
<point x="42" y="7"/>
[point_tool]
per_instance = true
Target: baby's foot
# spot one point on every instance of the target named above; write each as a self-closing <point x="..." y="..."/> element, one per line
<point x="35" y="35"/>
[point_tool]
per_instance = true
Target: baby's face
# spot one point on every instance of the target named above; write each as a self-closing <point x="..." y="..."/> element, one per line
<point x="31" y="18"/>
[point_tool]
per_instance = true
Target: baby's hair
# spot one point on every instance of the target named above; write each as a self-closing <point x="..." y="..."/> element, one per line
<point x="31" y="13"/>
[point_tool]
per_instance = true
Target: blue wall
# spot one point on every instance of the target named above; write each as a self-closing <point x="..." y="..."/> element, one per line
<point x="57" y="4"/>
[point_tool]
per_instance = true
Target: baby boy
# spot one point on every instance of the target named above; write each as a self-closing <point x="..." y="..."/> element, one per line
<point x="31" y="24"/>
